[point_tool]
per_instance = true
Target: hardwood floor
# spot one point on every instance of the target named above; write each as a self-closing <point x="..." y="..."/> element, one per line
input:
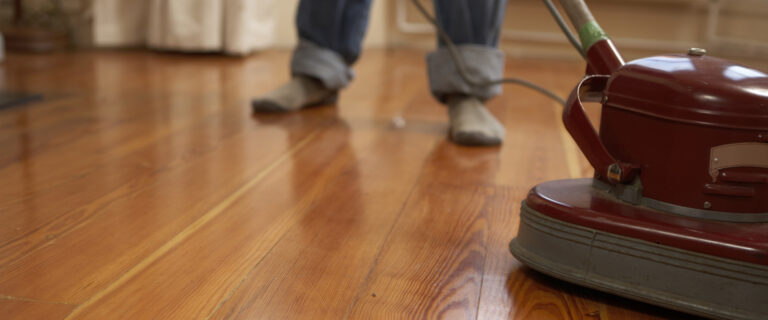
<point x="142" y="187"/>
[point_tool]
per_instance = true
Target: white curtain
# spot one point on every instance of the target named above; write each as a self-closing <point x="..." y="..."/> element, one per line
<point x="235" y="27"/>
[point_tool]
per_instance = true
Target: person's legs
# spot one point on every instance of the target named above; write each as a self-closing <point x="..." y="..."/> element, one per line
<point x="330" y="40"/>
<point x="474" y="26"/>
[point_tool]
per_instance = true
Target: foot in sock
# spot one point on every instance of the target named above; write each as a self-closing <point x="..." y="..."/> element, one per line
<point x="472" y="124"/>
<point x="300" y="92"/>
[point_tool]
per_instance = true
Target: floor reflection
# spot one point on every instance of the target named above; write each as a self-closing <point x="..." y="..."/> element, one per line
<point x="535" y="295"/>
<point x="341" y="209"/>
<point x="458" y="165"/>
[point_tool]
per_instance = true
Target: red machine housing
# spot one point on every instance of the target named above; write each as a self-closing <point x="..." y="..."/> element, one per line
<point x="677" y="212"/>
<point x="693" y="128"/>
<point x="678" y="117"/>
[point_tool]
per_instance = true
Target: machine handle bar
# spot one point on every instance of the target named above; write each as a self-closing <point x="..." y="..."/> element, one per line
<point x="578" y="125"/>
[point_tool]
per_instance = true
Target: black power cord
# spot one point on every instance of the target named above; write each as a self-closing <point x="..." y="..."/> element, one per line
<point x="459" y="61"/>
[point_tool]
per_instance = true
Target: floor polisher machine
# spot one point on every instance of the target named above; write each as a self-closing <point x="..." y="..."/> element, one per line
<point x="677" y="212"/>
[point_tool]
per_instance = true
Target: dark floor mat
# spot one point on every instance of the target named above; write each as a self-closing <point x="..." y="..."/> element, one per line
<point x="12" y="99"/>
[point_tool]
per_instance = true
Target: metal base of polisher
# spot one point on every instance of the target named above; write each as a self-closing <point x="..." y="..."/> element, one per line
<point x="580" y="234"/>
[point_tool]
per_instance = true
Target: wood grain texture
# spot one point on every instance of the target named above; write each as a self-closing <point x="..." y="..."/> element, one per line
<point x="14" y="308"/>
<point x="142" y="187"/>
<point x="337" y="258"/>
<point x="445" y="254"/>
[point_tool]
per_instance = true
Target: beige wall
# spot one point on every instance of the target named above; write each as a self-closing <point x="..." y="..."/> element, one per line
<point x="639" y="28"/>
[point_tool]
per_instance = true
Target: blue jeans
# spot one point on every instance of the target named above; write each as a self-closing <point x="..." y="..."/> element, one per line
<point x="331" y="34"/>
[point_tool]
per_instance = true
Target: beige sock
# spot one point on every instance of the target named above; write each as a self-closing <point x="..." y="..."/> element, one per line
<point x="472" y="124"/>
<point x="300" y="92"/>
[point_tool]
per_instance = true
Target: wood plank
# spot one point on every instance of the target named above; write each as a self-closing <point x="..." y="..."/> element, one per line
<point x="246" y="240"/>
<point x="497" y="301"/>
<point x="444" y="227"/>
<point x="145" y="189"/>
<point x="121" y="179"/>
<point x="21" y="309"/>
<point x="75" y="175"/>
<point x="101" y="106"/>
<point x="533" y="150"/>
<point x="59" y="167"/>
<point x="316" y="266"/>
<point x="443" y="232"/>
<point x="86" y="187"/>
<point x="130" y="228"/>
<point x="351" y="207"/>
<point x="550" y="298"/>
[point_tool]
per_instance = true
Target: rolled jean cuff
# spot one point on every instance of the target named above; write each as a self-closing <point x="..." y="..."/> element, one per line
<point x="482" y="64"/>
<point x="321" y="63"/>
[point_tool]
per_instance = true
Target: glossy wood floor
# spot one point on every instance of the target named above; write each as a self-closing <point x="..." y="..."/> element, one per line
<point x="142" y="187"/>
